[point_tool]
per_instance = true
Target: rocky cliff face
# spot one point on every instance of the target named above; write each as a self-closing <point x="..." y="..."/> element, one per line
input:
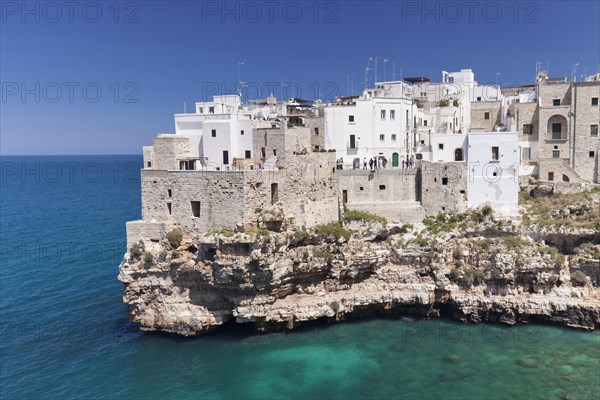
<point x="472" y="266"/>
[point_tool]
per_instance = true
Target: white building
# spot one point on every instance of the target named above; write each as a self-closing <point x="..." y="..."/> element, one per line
<point x="218" y="133"/>
<point x="378" y="123"/>
<point x="493" y="166"/>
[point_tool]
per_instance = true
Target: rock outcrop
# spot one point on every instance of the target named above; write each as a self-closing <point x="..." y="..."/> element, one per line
<point x="471" y="267"/>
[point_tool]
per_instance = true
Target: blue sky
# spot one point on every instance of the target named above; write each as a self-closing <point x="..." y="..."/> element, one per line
<point x="105" y="77"/>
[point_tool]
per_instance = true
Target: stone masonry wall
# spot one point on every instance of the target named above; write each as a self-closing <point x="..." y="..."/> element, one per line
<point x="444" y="187"/>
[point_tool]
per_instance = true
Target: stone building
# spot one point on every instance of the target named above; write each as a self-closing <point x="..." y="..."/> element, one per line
<point x="558" y="129"/>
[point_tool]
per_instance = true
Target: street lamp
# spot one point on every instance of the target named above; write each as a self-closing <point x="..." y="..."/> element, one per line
<point x="239" y="87"/>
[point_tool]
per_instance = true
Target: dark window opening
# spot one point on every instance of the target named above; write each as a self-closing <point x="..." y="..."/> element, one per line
<point x="169" y="193"/>
<point x="317" y="131"/>
<point x="486" y="115"/>
<point x="495" y="153"/>
<point x="248" y="154"/>
<point x="344" y="196"/>
<point x="556" y="102"/>
<point x="381" y="187"/>
<point x="361" y="188"/>
<point x="169" y="208"/>
<point x="274" y="152"/>
<point x="592" y="153"/>
<point x="441" y="146"/>
<point x="149" y="163"/>
<point x="458" y="155"/>
<point x="444" y="181"/>
<point x="225" y="157"/>
<point x="274" y="193"/>
<point x="242" y="132"/>
<point x="556" y="130"/>
<point x="462" y="192"/>
<point x="213" y="133"/>
<point x="565" y="178"/>
<point x="594" y="101"/>
<point x="263" y="152"/>
<point x="551" y="176"/>
<point x="196" y="209"/>
<point x="350" y="118"/>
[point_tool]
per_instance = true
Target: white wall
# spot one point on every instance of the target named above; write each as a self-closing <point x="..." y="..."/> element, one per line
<point x="502" y="190"/>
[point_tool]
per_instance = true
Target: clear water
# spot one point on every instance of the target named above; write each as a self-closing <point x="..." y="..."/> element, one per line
<point x="65" y="332"/>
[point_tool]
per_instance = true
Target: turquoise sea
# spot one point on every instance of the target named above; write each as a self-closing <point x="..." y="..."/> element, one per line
<point x="65" y="332"/>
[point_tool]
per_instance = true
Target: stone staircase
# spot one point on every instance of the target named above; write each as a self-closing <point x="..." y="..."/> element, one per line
<point x="270" y="163"/>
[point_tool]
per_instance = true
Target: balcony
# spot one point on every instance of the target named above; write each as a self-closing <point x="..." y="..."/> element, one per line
<point x="352" y="145"/>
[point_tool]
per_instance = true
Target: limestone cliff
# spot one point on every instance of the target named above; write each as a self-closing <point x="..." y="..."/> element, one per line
<point x="472" y="266"/>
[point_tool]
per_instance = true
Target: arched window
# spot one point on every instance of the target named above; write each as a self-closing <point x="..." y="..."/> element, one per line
<point x="458" y="155"/>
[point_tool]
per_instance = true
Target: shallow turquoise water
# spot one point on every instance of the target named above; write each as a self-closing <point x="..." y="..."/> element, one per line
<point x="65" y="332"/>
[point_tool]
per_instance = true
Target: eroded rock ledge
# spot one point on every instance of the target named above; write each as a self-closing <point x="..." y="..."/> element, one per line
<point x="473" y="268"/>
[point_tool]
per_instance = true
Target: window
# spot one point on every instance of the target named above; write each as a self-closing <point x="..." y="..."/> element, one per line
<point x="169" y="193"/>
<point x="352" y="142"/>
<point x="381" y="187"/>
<point x="441" y="146"/>
<point x="213" y="133"/>
<point x="424" y="122"/>
<point x="556" y="102"/>
<point x="527" y="129"/>
<point x="195" y="209"/>
<point x="495" y="153"/>
<point x="592" y="154"/>
<point x="392" y="114"/>
<point x="556" y="130"/>
<point x="350" y="118"/>
<point x="169" y="209"/>
<point x="263" y="152"/>
<point x="382" y="114"/>
<point x="201" y="110"/>
<point x="393" y="137"/>
<point x="594" y="130"/>
<point x="225" y="157"/>
<point x="242" y="132"/>
<point x="381" y="138"/>
<point x="211" y="110"/>
<point x="274" y="193"/>
<point x="550" y="176"/>
<point x="422" y="142"/>
<point x="361" y="188"/>
<point x="478" y="98"/>
<point x="486" y="115"/>
<point x="594" y="101"/>
<point x="248" y="154"/>
<point x="149" y="164"/>
<point x="444" y="181"/>
<point x="555" y="153"/>
<point x="526" y="153"/>
<point x="316" y="131"/>
<point x="275" y="152"/>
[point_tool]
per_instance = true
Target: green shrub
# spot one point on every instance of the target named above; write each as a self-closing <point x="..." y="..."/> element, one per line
<point x="334" y="229"/>
<point x="513" y="242"/>
<point x="354" y="215"/>
<point x="487" y="210"/>
<point x="578" y="278"/>
<point x="335" y="306"/>
<point x="135" y="251"/>
<point x="454" y="274"/>
<point x="473" y="276"/>
<point x="148" y="258"/>
<point x="174" y="237"/>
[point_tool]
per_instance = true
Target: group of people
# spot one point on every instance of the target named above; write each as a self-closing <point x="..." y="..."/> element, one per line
<point x="408" y="164"/>
<point x="374" y="163"/>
